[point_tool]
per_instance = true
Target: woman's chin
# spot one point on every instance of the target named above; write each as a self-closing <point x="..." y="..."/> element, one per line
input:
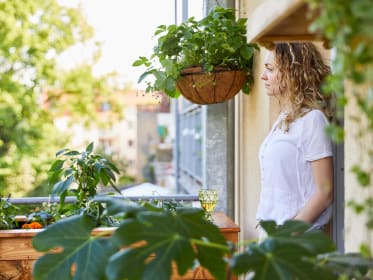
<point x="270" y="94"/>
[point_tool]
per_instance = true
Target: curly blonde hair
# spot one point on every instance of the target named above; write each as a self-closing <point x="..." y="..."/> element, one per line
<point x="302" y="72"/>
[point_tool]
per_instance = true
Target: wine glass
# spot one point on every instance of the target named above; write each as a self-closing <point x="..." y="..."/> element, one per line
<point x="208" y="200"/>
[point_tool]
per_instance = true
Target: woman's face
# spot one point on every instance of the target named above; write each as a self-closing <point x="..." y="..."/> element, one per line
<point x="271" y="76"/>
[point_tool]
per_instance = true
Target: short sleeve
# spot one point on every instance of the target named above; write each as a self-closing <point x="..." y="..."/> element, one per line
<point x="316" y="143"/>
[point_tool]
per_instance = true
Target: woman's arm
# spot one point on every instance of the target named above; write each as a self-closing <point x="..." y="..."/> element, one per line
<point x="322" y="170"/>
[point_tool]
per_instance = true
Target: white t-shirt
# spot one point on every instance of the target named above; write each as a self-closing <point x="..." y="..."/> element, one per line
<point x="285" y="163"/>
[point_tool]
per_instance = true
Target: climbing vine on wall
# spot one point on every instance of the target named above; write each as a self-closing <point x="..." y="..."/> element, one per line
<point x="347" y="26"/>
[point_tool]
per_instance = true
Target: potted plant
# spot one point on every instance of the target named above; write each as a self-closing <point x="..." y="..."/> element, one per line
<point x="88" y="217"/>
<point x="208" y="61"/>
<point x="73" y="173"/>
<point x="8" y="213"/>
<point x="79" y="174"/>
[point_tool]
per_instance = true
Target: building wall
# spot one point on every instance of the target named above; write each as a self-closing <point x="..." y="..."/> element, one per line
<point x="147" y="139"/>
<point x="356" y="231"/>
<point x="254" y="124"/>
<point x="127" y="132"/>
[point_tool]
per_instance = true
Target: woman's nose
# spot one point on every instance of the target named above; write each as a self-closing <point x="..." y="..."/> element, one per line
<point x="263" y="76"/>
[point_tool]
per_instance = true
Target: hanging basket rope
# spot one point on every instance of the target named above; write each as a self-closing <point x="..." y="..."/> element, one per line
<point x="208" y="88"/>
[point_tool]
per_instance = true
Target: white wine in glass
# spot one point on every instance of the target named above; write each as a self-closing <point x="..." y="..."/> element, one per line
<point x="208" y="200"/>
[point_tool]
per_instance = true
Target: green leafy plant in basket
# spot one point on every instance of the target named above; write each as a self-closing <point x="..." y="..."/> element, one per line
<point x="216" y="43"/>
<point x="79" y="174"/>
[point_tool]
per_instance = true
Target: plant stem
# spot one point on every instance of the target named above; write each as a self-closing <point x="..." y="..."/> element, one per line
<point x="210" y="244"/>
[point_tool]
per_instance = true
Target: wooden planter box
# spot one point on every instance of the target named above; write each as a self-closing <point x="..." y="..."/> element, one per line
<point x="17" y="255"/>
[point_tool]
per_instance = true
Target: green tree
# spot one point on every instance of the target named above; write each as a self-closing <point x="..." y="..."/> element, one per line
<point x="33" y="33"/>
<point x="86" y="99"/>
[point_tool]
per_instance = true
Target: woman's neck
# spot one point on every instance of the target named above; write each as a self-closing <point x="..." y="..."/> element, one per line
<point x="285" y="108"/>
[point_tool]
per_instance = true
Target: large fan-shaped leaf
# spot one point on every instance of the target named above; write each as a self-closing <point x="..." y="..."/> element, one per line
<point x="350" y="264"/>
<point x="171" y="238"/>
<point x="299" y="233"/>
<point x="117" y="205"/>
<point x="121" y="264"/>
<point x="272" y="260"/>
<point x="73" y="235"/>
<point x="288" y="253"/>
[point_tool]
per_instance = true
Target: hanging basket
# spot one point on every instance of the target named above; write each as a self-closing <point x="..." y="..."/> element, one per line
<point x="208" y="88"/>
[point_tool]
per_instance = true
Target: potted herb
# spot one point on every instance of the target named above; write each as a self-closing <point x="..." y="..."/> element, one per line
<point x="208" y="61"/>
<point x="73" y="173"/>
<point x="79" y="174"/>
<point x="8" y="213"/>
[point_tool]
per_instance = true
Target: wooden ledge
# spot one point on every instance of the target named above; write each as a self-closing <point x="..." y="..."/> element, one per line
<point x="280" y="21"/>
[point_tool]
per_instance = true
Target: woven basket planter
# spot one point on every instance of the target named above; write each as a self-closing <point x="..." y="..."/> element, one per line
<point x="209" y="88"/>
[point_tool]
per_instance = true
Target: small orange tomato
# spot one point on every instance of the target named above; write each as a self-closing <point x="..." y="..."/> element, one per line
<point x="33" y="225"/>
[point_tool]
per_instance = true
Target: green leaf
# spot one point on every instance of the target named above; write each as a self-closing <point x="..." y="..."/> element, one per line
<point x="170" y="84"/>
<point x="115" y="206"/>
<point x="365" y="251"/>
<point x="73" y="235"/>
<point x="71" y="153"/>
<point x="362" y="9"/>
<point x="112" y="167"/>
<point x="362" y="176"/>
<point x="89" y="148"/>
<point x="358" y="207"/>
<point x="55" y="176"/>
<point x="268" y="226"/>
<point x="348" y="263"/>
<point x="60" y="152"/>
<point x="211" y="259"/>
<point x="121" y="264"/>
<point x="247" y="52"/>
<point x="56" y="165"/>
<point x="336" y="133"/>
<point x="145" y="74"/>
<point x="298" y="233"/>
<point x="171" y="237"/>
<point x="62" y="186"/>
<point x="160" y="29"/>
<point x="286" y="254"/>
<point x="271" y="260"/>
<point x="141" y="61"/>
<point x="105" y="178"/>
<point x="177" y="249"/>
<point x="109" y="173"/>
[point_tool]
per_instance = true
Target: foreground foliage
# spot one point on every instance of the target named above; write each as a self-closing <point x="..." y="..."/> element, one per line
<point x="149" y="239"/>
<point x="347" y="26"/>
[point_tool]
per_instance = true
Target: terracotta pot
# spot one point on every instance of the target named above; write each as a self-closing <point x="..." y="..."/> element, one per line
<point x="208" y="88"/>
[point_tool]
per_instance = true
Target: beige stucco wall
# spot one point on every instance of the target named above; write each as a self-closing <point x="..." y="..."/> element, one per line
<point x="254" y="125"/>
<point x="356" y="148"/>
<point x="256" y="112"/>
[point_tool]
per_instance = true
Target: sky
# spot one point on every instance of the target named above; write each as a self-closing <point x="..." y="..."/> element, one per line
<point x="125" y="29"/>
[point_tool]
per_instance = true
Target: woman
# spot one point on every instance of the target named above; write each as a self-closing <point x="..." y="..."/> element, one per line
<point x="296" y="156"/>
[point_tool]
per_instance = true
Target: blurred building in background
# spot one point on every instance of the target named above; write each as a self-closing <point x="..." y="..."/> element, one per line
<point x="141" y="142"/>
